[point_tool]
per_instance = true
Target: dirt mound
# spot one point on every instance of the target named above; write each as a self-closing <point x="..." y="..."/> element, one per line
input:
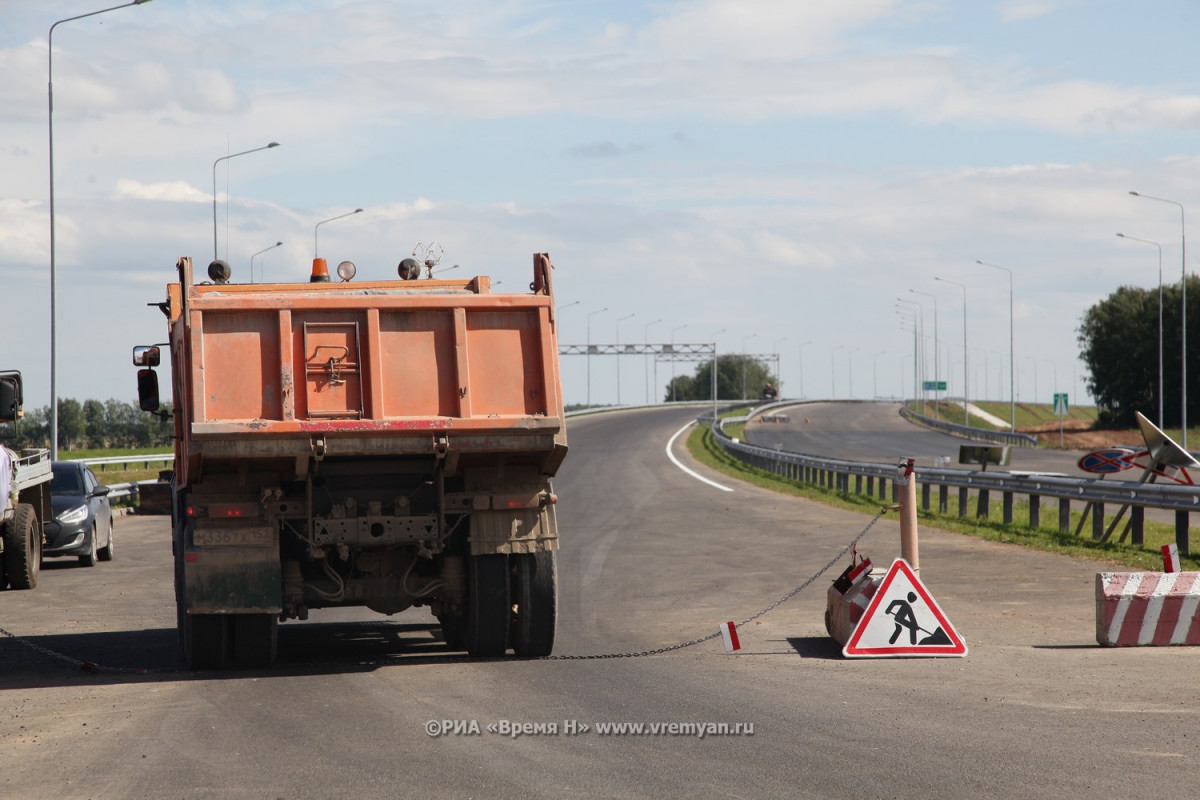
<point x="1077" y="434"/>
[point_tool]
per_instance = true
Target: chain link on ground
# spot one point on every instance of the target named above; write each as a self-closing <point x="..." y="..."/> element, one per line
<point x="747" y="620"/>
<point x="91" y="666"/>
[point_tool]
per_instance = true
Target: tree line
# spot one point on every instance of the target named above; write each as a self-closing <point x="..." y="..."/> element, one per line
<point x="90" y="425"/>
<point x="1118" y="339"/>
<point x="739" y="377"/>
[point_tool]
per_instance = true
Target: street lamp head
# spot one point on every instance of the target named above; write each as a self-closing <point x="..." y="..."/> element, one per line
<point x="1135" y="194"/>
<point x="269" y="144"/>
<point x="1121" y="235"/>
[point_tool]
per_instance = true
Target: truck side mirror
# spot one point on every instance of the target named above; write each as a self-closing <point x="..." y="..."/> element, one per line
<point x="144" y="356"/>
<point x="147" y="390"/>
<point x="10" y="396"/>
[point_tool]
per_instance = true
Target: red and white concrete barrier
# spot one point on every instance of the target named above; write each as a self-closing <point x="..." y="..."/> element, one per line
<point x="1147" y="608"/>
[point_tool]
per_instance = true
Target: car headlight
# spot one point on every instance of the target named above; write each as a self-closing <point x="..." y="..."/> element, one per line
<point x="77" y="514"/>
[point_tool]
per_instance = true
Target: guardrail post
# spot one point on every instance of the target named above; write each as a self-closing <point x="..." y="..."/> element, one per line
<point x="962" y="501"/>
<point x="925" y="496"/>
<point x="1097" y="520"/>
<point x="1064" y="515"/>
<point x="1137" y="525"/>
<point x="1008" y="508"/>
<point x="983" y="505"/>
<point x="1035" y="510"/>
<point x="1181" y="530"/>
<point x="943" y="499"/>
<point x="883" y="488"/>
<point x="858" y="484"/>
<point x="870" y="486"/>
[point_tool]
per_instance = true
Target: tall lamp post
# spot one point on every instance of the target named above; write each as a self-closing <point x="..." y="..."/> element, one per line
<point x="259" y="253"/>
<point x="618" y="326"/>
<point x="316" y="250"/>
<point x="1182" y="309"/>
<point x="937" y="378"/>
<point x="1012" y="403"/>
<point x="875" y="372"/>
<point x="919" y="370"/>
<point x="218" y="161"/>
<point x="53" y="299"/>
<point x="1160" y="321"/>
<point x="744" y="340"/>
<point x="589" y="352"/>
<point x="646" y="341"/>
<point x="966" y="361"/>
<point x="674" y="391"/>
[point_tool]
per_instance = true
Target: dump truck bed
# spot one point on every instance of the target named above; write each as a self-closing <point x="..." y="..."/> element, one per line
<point x="366" y="369"/>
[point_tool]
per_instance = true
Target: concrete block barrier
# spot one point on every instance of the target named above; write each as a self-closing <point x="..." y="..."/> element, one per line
<point x="1147" y="608"/>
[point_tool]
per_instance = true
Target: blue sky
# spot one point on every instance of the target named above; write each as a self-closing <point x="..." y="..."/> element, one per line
<point x="767" y="175"/>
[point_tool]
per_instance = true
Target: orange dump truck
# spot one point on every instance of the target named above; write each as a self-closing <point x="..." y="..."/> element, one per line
<point x="386" y="444"/>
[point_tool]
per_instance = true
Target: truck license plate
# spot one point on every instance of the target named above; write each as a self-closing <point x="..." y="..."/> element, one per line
<point x="239" y="537"/>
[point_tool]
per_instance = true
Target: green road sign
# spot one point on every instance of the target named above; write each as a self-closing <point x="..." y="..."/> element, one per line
<point x="935" y="386"/>
<point x="1060" y="404"/>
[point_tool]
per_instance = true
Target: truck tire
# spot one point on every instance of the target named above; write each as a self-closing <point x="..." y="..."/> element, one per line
<point x="488" y="605"/>
<point x="23" y="548"/>
<point x="253" y="640"/>
<point x="535" y="592"/>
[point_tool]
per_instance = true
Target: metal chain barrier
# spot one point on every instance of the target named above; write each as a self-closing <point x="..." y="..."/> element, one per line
<point x="749" y="619"/>
<point x="90" y="666"/>
<point x="86" y="666"/>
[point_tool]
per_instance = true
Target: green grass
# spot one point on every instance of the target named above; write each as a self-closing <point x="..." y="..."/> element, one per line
<point x="703" y="446"/>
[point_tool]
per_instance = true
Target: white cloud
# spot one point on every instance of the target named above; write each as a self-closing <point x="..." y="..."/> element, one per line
<point x="171" y="192"/>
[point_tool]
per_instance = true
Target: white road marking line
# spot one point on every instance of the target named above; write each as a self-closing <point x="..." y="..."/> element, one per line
<point x="679" y="464"/>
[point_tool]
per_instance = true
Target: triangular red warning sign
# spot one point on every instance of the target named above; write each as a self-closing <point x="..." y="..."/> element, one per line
<point x="904" y="620"/>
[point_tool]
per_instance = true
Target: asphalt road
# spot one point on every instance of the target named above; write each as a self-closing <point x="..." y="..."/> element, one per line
<point x="875" y="431"/>
<point x="650" y="557"/>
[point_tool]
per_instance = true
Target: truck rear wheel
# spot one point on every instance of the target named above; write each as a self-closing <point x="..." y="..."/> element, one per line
<point x="488" y="605"/>
<point x="23" y="548"/>
<point x="535" y="592"/>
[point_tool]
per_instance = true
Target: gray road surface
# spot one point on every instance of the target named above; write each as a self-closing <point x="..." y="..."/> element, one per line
<point x="650" y="557"/>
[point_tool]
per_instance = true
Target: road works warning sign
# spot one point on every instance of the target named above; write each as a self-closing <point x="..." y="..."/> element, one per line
<point x="903" y="620"/>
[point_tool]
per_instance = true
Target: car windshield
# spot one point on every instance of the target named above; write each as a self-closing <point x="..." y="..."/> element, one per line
<point x="66" y="481"/>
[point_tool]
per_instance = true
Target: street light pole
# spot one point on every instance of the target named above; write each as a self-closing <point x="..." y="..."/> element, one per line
<point x="966" y="358"/>
<point x="937" y="379"/>
<point x="218" y="161"/>
<point x="674" y="390"/>
<point x="1182" y="309"/>
<point x="646" y="341"/>
<point x="331" y="219"/>
<point x="53" y="298"/>
<point x="589" y="352"/>
<point x="618" y="327"/>
<point x="259" y="253"/>
<point x="744" y="340"/>
<point x="1160" y="322"/>
<point x="875" y="373"/>
<point x="1012" y="403"/>
<point x="919" y="372"/>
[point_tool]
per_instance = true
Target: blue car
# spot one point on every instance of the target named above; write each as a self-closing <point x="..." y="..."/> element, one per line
<point x="83" y="521"/>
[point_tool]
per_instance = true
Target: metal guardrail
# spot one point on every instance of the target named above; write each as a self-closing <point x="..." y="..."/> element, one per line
<point x="835" y="474"/>
<point x="967" y="432"/>
<point x="145" y="460"/>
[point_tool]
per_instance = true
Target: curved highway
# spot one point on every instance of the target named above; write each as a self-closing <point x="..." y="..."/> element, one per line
<point x="650" y="557"/>
<point x="875" y="432"/>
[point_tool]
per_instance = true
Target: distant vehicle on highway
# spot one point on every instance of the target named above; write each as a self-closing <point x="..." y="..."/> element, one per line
<point x="83" y="520"/>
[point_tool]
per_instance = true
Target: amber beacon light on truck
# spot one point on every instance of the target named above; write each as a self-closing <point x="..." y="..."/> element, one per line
<point x="382" y="443"/>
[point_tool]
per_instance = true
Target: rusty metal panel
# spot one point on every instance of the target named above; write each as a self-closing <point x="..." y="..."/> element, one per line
<point x="417" y="372"/>
<point x="505" y="364"/>
<point x="240" y="361"/>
